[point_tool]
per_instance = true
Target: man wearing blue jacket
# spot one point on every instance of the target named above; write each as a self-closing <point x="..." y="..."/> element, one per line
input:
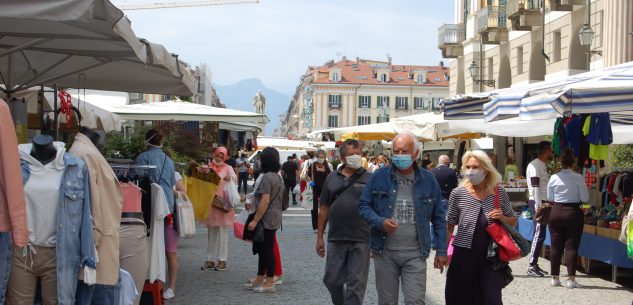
<point x="399" y="203"/>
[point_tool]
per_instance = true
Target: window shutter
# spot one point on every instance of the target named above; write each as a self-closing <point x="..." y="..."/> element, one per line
<point x="369" y="101"/>
<point x="387" y="101"/>
<point x="406" y="103"/>
<point x="368" y="120"/>
<point x="360" y="98"/>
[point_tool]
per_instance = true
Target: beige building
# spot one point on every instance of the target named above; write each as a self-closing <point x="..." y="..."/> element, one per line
<point x="512" y="43"/>
<point x="361" y="92"/>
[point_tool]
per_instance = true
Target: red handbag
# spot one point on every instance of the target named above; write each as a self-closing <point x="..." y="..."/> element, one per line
<point x="508" y="250"/>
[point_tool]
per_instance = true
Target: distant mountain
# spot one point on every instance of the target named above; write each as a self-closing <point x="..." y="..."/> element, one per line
<point x="240" y="96"/>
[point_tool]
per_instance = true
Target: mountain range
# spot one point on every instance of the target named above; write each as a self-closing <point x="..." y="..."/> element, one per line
<point x="240" y="96"/>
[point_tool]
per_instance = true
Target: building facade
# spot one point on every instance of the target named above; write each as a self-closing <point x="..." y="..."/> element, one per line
<point x="515" y="42"/>
<point x="362" y="92"/>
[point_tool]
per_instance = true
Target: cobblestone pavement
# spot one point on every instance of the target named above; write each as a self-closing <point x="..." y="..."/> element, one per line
<point x="303" y="271"/>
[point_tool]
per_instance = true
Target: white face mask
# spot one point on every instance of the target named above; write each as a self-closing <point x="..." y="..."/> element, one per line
<point x="320" y="160"/>
<point x="476" y="176"/>
<point x="217" y="163"/>
<point x="354" y="161"/>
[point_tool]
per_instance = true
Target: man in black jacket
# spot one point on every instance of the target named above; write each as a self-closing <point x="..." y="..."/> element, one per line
<point x="447" y="179"/>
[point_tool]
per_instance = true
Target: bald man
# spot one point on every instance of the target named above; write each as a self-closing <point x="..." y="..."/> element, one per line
<point x="399" y="203"/>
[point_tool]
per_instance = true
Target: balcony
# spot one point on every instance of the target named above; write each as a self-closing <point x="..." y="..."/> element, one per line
<point x="564" y="5"/>
<point x="523" y="14"/>
<point x="450" y="38"/>
<point x="491" y="24"/>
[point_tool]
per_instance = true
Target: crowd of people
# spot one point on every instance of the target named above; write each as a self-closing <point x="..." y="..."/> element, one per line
<point x="395" y="211"/>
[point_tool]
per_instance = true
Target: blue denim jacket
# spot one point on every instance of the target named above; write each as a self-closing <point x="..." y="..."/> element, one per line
<point x="378" y="200"/>
<point x="75" y="243"/>
<point x="164" y="174"/>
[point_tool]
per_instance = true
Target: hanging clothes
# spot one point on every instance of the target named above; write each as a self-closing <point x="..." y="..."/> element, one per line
<point x="573" y="134"/>
<point x="597" y="151"/>
<point x="156" y="244"/>
<point x="557" y="138"/>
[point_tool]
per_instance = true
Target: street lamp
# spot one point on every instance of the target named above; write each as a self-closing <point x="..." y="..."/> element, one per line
<point x="475" y="72"/>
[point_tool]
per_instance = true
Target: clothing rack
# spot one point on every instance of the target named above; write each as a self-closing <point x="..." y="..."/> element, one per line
<point x="132" y="166"/>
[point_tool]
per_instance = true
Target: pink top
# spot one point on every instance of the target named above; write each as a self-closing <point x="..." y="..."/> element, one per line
<point x="12" y="199"/>
<point x="218" y="217"/>
<point x="131" y="197"/>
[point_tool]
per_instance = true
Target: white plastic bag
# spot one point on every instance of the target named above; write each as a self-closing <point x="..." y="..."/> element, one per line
<point x="239" y="224"/>
<point x="230" y="195"/>
<point x="186" y="218"/>
<point x="297" y="188"/>
<point x="306" y="201"/>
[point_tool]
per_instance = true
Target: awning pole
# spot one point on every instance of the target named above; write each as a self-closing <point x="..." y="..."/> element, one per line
<point x="32" y="80"/>
<point x="24" y="46"/>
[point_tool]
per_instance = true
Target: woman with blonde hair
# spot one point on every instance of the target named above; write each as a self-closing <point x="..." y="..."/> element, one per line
<point x="471" y="278"/>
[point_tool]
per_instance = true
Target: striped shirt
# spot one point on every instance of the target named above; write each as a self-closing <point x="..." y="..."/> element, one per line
<point x="463" y="211"/>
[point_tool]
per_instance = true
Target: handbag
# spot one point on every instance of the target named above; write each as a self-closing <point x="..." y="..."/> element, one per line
<point x="218" y="204"/>
<point x="542" y="213"/>
<point x="508" y="249"/>
<point x="186" y="219"/>
<point x="257" y="235"/>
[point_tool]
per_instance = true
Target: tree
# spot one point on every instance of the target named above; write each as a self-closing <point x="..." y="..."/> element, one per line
<point x="622" y="156"/>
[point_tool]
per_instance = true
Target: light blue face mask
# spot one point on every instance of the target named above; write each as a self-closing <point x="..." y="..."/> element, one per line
<point x="402" y="162"/>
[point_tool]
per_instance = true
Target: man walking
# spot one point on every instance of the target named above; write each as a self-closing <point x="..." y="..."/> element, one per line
<point x="347" y="263"/>
<point x="290" y="171"/>
<point x="399" y="202"/>
<point x="447" y="179"/>
<point x="537" y="179"/>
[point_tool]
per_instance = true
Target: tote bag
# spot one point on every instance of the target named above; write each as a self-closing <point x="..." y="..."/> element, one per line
<point x="508" y="249"/>
<point x="186" y="218"/>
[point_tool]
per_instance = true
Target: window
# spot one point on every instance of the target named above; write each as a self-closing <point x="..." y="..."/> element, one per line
<point x="421" y="79"/>
<point x="420" y="103"/>
<point x="382" y="119"/>
<point x="364" y="101"/>
<point x="556" y="46"/>
<point x="364" y="120"/>
<point x="436" y="104"/>
<point x="520" y="60"/>
<point x="334" y="101"/>
<point x="333" y="120"/>
<point x="136" y="96"/>
<point x="383" y="101"/>
<point x="402" y="103"/>
<point x="335" y="77"/>
<point x="383" y="77"/>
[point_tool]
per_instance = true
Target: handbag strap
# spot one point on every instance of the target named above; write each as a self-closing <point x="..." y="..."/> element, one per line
<point x="353" y="180"/>
<point x="497" y="196"/>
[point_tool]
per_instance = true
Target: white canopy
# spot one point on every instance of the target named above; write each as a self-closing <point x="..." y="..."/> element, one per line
<point x="240" y="126"/>
<point x="83" y="44"/>
<point x="282" y="143"/>
<point x="184" y="111"/>
<point x="339" y="132"/>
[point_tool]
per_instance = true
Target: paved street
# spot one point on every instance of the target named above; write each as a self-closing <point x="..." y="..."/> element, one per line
<point x="303" y="272"/>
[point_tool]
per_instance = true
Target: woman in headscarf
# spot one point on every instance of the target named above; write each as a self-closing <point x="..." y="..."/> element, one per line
<point x="219" y="219"/>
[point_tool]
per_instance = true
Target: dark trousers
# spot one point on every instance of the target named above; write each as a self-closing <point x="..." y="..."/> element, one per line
<point x="290" y="186"/>
<point x="471" y="280"/>
<point x="266" y="263"/>
<point x="565" y="226"/>
<point x="316" y="193"/>
<point x="243" y="179"/>
<point x="540" y="231"/>
<point x="346" y="270"/>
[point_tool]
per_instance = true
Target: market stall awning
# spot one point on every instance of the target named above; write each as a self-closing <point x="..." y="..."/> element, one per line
<point x="282" y="143"/>
<point x="240" y="126"/>
<point x="339" y="132"/>
<point x="605" y="90"/>
<point x="184" y="111"/>
<point x="368" y="136"/>
<point x="83" y="44"/>
<point x="466" y="107"/>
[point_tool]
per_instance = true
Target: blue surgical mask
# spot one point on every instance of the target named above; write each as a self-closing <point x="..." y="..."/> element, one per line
<point x="402" y="162"/>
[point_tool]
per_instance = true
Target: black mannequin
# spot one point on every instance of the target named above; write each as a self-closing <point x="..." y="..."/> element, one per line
<point x="93" y="136"/>
<point x="43" y="149"/>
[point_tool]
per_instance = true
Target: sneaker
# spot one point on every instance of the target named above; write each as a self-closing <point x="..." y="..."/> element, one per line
<point x="208" y="266"/>
<point x="539" y="269"/>
<point x="279" y="281"/>
<point x="554" y="282"/>
<point x="168" y="294"/>
<point x="572" y="284"/>
<point x="534" y="271"/>
<point x="221" y="266"/>
<point x="264" y="289"/>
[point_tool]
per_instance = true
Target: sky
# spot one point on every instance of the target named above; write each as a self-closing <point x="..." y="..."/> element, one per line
<point x="276" y="40"/>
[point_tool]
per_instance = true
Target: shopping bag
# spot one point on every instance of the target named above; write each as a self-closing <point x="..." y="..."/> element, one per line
<point x="231" y="196"/>
<point x="201" y="193"/>
<point x="508" y="249"/>
<point x="306" y="201"/>
<point x="297" y="189"/>
<point x="449" y="251"/>
<point x="186" y="218"/>
<point x="239" y="224"/>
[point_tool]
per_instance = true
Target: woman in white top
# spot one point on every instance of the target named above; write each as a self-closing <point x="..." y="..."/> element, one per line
<point x="566" y="191"/>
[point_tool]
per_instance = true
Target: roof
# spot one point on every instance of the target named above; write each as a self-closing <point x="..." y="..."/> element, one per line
<point x="364" y="72"/>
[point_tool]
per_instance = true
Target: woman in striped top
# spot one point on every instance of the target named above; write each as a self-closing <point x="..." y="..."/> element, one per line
<point x="471" y="278"/>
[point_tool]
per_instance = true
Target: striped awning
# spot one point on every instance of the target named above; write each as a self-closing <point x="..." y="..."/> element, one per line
<point x="467" y="107"/>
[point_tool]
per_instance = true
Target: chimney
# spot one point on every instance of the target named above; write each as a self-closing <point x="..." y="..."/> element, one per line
<point x="442" y="64"/>
<point x="389" y="59"/>
<point x="357" y="59"/>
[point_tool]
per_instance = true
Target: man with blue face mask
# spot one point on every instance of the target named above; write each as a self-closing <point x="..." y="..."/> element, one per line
<point x="399" y="203"/>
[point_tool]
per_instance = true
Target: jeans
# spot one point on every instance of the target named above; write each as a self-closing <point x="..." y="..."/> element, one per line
<point x="393" y="267"/>
<point x="346" y="271"/>
<point x="242" y="182"/>
<point x="5" y="262"/>
<point x="98" y="294"/>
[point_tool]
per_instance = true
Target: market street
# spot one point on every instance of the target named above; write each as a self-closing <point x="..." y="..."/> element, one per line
<point x="303" y="271"/>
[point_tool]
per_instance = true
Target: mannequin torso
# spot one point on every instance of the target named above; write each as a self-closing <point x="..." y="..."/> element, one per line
<point x="43" y="149"/>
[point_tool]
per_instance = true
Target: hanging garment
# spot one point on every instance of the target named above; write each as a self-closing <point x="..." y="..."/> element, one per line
<point x="132" y="197"/>
<point x="146" y="201"/>
<point x="12" y="200"/>
<point x="106" y="200"/>
<point x="128" y="292"/>
<point x="556" y="139"/>
<point x="596" y="151"/>
<point x="573" y="135"/>
<point x="156" y="244"/>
